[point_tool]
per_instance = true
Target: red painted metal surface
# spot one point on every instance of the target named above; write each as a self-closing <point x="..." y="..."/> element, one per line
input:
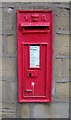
<point x="35" y="38"/>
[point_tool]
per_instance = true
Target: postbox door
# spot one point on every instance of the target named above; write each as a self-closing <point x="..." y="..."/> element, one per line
<point x="34" y="70"/>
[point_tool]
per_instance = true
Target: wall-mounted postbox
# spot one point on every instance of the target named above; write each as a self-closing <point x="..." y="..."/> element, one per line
<point x="35" y="51"/>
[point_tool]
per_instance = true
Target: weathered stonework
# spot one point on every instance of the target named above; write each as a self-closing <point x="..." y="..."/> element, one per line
<point x="59" y="108"/>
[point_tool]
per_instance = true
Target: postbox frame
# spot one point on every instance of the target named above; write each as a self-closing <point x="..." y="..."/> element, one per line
<point x="48" y="97"/>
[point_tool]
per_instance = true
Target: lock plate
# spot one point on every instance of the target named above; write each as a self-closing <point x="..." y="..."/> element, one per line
<point x="31" y="73"/>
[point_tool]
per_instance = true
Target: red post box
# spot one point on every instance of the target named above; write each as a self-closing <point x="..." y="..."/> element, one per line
<point x="35" y="37"/>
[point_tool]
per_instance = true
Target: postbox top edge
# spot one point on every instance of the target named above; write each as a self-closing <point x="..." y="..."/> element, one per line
<point x="33" y="11"/>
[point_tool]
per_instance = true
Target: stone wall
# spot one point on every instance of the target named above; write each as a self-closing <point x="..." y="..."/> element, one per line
<point x="59" y="108"/>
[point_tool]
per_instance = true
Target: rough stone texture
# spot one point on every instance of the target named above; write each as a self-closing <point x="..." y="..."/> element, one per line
<point x="59" y="108"/>
<point x="62" y="19"/>
<point x="13" y="92"/>
<point x="0" y="68"/>
<point x="25" y="111"/>
<point x="0" y="91"/>
<point x="11" y="44"/>
<point x="65" y="68"/>
<point x="5" y="92"/>
<point x="0" y="45"/>
<point x="62" y="45"/>
<point x="9" y="68"/>
<point x="8" y="21"/>
<point x="70" y="69"/>
<point x="9" y="109"/>
<point x="58" y="69"/>
<point x="62" y="69"/>
<point x="62" y="90"/>
<point x="54" y="110"/>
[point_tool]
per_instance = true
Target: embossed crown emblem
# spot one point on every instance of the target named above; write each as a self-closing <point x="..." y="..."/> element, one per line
<point x="34" y="17"/>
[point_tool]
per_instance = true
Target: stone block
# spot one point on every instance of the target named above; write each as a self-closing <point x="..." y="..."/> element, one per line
<point x="62" y="91"/>
<point x="7" y="114"/>
<point x="11" y="44"/>
<point x="0" y="91"/>
<point x="0" y="4"/>
<point x="0" y="45"/>
<point x="7" y="19"/>
<point x="62" y="70"/>
<point x="58" y="70"/>
<point x="10" y="106"/>
<point x="62" y="18"/>
<point x="8" y="92"/>
<point x="9" y="4"/>
<point x="70" y="69"/>
<point x="25" y="111"/>
<point x="66" y="69"/>
<point x="5" y="91"/>
<point x="9" y="68"/>
<point x="0" y="20"/>
<point x="33" y="5"/>
<point x="13" y="92"/>
<point x="62" y="45"/>
<point x="53" y="110"/>
<point x="69" y="74"/>
<point x="10" y="74"/>
<point x="1" y="115"/>
<point x="0" y="68"/>
<point x="8" y="110"/>
<point x="0" y="105"/>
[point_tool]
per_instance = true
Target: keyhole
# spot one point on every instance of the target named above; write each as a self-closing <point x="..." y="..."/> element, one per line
<point x="30" y="74"/>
